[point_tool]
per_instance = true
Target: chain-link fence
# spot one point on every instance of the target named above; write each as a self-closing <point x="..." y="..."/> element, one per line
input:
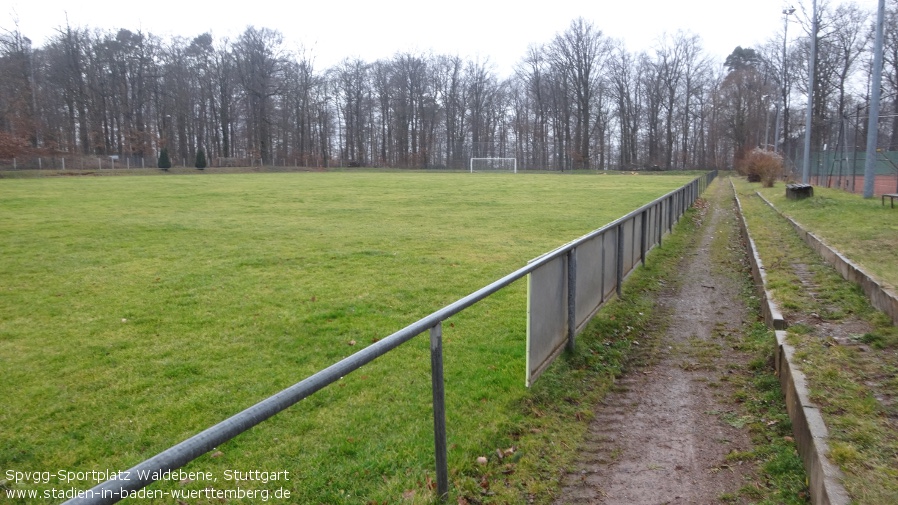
<point x="845" y="170"/>
<point x="91" y="164"/>
<point x="76" y="163"/>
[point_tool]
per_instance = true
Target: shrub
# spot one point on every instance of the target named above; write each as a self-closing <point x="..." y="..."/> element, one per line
<point x="164" y="160"/>
<point x="200" y="159"/>
<point x="12" y="146"/>
<point x="765" y="166"/>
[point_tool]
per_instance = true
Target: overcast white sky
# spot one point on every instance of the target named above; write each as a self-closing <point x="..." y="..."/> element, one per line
<point x="375" y="29"/>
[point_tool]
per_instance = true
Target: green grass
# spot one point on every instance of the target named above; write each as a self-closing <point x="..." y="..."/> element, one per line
<point x="137" y="311"/>
<point x="853" y="386"/>
<point x="760" y="409"/>
<point x="757" y="400"/>
<point x="864" y="230"/>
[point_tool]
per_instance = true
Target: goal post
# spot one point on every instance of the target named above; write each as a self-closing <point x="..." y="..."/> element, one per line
<point x="494" y="165"/>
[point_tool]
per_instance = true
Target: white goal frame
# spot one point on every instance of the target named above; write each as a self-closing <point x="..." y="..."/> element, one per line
<point x="514" y="164"/>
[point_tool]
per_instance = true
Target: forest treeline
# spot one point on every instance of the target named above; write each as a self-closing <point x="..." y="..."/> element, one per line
<point x="579" y="100"/>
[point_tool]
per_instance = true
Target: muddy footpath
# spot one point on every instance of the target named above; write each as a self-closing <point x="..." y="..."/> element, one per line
<point x="661" y="437"/>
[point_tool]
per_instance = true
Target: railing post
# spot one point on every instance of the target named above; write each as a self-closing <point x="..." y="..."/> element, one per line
<point x="620" y="259"/>
<point x="668" y="214"/>
<point x="643" y="237"/>
<point x="439" y="410"/>
<point x="684" y="199"/>
<point x="571" y="298"/>
<point x="679" y="198"/>
<point x="672" y="217"/>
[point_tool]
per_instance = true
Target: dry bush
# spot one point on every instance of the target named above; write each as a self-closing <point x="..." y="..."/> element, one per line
<point x="764" y="165"/>
<point x="12" y="146"/>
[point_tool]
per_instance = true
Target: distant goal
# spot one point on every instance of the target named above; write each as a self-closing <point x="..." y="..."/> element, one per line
<point x="494" y="165"/>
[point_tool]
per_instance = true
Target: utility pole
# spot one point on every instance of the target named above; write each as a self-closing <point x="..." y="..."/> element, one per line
<point x="806" y="159"/>
<point x="873" y="124"/>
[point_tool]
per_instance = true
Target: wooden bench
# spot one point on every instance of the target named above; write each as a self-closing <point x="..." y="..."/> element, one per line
<point x="892" y="197"/>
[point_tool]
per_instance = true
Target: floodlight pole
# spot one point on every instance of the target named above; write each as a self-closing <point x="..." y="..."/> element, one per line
<point x="781" y="106"/>
<point x="873" y="120"/>
<point x="806" y="158"/>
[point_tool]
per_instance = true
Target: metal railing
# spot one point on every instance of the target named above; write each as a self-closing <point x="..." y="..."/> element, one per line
<point x="565" y="293"/>
<point x="668" y="209"/>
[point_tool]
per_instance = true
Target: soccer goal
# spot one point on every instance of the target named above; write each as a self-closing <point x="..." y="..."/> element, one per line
<point x="494" y="165"/>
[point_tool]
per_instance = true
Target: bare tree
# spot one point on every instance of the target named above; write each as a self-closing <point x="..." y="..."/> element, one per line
<point x="570" y="103"/>
<point x="890" y="72"/>
<point x="653" y="88"/>
<point x="847" y="41"/>
<point x="452" y="97"/>
<point x="260" y="63"/>
<point x="532" y="73"/>
<point x="626" y="92"/>
<point x="18" y="101"/>
<point x="351" y="81"/>
<point x="580" y="54"/>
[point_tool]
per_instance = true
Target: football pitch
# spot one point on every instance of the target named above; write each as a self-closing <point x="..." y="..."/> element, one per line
<point x="137" y="311"/>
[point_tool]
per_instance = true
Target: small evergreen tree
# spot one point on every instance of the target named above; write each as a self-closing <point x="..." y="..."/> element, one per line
<point x="164" y="161"/>
<point x="200" y="159"/>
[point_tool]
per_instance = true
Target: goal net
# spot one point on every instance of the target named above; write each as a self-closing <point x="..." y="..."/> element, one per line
<point x="494" y="165"/>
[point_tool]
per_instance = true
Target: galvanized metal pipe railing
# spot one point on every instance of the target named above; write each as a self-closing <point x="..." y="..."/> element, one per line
<point x="439" y="411"/>
<point x="197" y="445"/>
<point x="141" y="475"/>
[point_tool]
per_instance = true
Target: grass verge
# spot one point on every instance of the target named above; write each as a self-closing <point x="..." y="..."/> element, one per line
<point x="862" y="229"/>
<point x="758" y="399"/>
<point x="831" y="323"/>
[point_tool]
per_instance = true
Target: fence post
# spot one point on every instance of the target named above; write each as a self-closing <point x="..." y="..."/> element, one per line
<point x="439" y="410"/>
<point x="571" y="298"/>
<point x="620" y="258"/>
<point x="670" y="213"/>
<point x="643" y="238"/>
<point x="678" y="202"/>
<point x="684" y="199"/>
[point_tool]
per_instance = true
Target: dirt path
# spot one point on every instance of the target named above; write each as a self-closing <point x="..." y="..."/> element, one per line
<point x="661" y="437"/>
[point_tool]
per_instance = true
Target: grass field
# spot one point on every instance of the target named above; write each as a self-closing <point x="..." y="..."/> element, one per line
<point x="864" y="230"/>
<point x="137" y="311"/>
